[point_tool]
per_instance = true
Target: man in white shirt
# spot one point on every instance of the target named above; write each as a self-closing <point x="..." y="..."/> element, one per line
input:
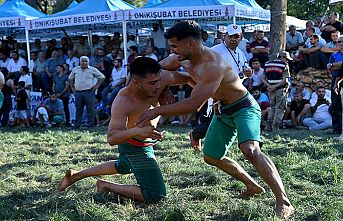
<point x="314" y="96"/>
<point x="118" y="78"/>
<point x="72" y="60"/>
<point x="15" y="64"/>
<point x="158" y="40"/>
<point x="293" y="39"/>
<point x="230" y="51"/>
<point x="321" y="117"/>
<point x="149" y="51"/>
<point x="26" y="77"/>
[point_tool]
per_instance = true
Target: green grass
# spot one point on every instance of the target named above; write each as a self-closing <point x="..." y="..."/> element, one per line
<point x="33" y="161"/>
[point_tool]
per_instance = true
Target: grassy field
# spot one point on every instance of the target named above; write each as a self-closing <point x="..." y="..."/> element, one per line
<point x="32" y="162"/>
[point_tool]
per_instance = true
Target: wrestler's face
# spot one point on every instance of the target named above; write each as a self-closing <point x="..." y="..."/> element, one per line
<point x="182" y="48"/>
<point x="150" y="85"/>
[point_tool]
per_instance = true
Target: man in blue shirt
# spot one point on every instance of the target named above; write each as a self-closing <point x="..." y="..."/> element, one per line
<point x="334" y="65"/>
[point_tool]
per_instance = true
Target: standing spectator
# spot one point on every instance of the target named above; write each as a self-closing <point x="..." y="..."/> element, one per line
<point x="299" y="110"/>
<point x="37" y="47"/>
<point x="72" y="60"/>
<point x="61" y="89"/>
<point x="2" y="83"/>
<point x="50" y="47"/>
<point x="66" y="44"/>
<point x="321" y="117"/>
<point x="39" y="70"/>
<point x="230" y="52"/>
<point x="82" y="49"/>
<point x="107" y="46"/>
<point x="260" y="48"/>
<point x="5" y="47"/>
<point x="15" y="64"/>
<point x="334" y="65"/>
<point x="130" y="42"/>
<point x="293" y="39"/>
<point x="333" y="25"/>
<point x="158" y="40"/>
<point x="275" y="78"/>
<point x="95" y="44"/>
<point x="205" y="39"/>
<point x="81" y="81"/>
<point x="8" y="90"/>
<point x="25" y="76"/>
<point x="21" y="100"/>
<point x="51" y="64"/>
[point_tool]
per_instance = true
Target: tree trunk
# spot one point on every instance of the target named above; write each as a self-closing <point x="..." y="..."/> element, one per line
<point x="278" y="26"/>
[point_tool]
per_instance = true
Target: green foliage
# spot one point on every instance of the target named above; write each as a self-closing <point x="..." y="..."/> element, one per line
<point x="33" y="161"/>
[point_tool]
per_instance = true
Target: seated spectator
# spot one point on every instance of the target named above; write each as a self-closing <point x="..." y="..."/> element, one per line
<point x="51" y="112"/>
<point x="299" y="88"/>
<point x="260" y="48"/>
<point x="21" y="100"/>
<point x="299" y="110"/>
<point x="257" y="73"/>
<point x="149" y="52"/>
<point x="263" y="101"/>
<point x="293" y="39"/>
<point x="15" y="64"/>
<point x="329" y="48"/>
<point x="100" y="111"/>
<point x="311" y="53"/>
<point x="133" y="50"/>
<point x="82" y="48"/>
<point x="333" y="25"/>
<point x="4" y="60"/>
<point x="314" y="97"/>
<point x="321" y="117"/>
<point x="26" y="77"/>
<point x="118" y="79"/>
<point x="72" y="61"/>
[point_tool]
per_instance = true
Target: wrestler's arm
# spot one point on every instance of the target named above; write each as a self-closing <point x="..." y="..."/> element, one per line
<point x="202" y="91"/>
<point x="170" y="63"/>
<point x="176" y="78"/>
<point x="118" y="133"/>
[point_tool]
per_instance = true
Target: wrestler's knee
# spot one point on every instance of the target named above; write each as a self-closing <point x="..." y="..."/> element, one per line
<point x="211" y="161"/>
<point x="154" y="196"/>
<point x="251" y="150"/>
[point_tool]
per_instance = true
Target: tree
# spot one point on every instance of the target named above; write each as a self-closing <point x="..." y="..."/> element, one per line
<point x="278" y="25"/>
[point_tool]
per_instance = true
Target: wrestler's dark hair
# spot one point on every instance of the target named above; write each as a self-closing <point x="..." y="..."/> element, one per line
<point x="184" y="29"/>
<point x="142" y="66"/>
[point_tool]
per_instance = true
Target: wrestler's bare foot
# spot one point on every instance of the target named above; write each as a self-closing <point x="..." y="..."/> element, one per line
<point x="196" y="144"/>
<point x="101" y="185"/>
<point x="67" y="180"/>
<point x="284" y="210"/>
<point x="251" y="191"/>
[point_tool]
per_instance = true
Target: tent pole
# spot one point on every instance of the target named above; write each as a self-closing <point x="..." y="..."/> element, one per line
<point x="90" y="43"/>
<point x="28" y="50"/>
<point x="234" y="20"/>
<point x="125" y="43"/>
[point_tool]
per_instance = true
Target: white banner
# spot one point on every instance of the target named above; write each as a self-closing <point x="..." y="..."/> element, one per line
<point x="334" y="1"/>
<point x="12" y="22"/>
<point x="73" y="20"/>
<point x="252" y="13"/>
<point x="180" y="13"/>
<point x="36" y="99"/>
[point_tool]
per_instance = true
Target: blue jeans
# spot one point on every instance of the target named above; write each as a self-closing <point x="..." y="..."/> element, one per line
<point x="83" y="98"/>
<point x="107" y="89"/>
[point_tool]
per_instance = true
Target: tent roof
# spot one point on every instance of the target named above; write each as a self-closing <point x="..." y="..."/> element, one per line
<point x="73" y="4"/>
<point x="150" y="3"/>
<point x="94" y="6"/>
<point x="181" y="3"/>
<point x="18" y="8"/>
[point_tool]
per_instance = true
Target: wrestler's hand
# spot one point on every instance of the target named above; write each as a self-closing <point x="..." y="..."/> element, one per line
<point x="149" y="132"/>
<point x="146" y="117"/>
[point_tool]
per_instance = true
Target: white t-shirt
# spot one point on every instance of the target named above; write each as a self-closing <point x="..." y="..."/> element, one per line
<point x="322" y="111"/>
<point x="153" y="56"/>
<point x="314" y="97"/>
<point x="15" y="66"/>
<point x="235" y="59"/>
<point x="4" y="64"/>
<point x="256" y="77"/>
<point x="118" y="75"/>
<point x="73" y="62"/>
<point x="28" y="81"/>
<point x="158" y="38"/>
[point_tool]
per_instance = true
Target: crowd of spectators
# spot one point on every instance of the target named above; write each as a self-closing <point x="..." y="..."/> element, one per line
<point x="96" y="75"/>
